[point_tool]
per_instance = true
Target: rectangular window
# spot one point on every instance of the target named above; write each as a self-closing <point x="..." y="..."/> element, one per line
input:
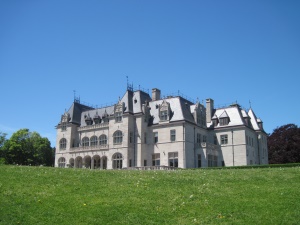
<point x="118" y="116"/>
<point x="145" y="138"/>
<point x="156" y="159"/>
<point x="224" y="121"/>
<point x="155" y="134"/>
<point x="145" y="162"/>
<point x="204" y="138"/>
<point x="130" y="163"/>
<point x="173" y="135"/>
<point x="224" y="139"/>
<point x="64" y="126"/>
<point x="198" y="138"/>
<point x="173" y="159"/>
<point x="199" y="160"/>
<point x="164" y="115"/>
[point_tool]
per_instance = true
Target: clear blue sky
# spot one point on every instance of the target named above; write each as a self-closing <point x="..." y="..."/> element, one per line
<point x="226" y="50"/>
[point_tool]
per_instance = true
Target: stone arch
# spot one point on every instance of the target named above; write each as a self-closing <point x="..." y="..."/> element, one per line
<point x="78" y="162"/>
<point x="96" y="162"/>
<point x="71" y="163"/>
<point x="87" y="162"/>
<point x="61" y="162"/>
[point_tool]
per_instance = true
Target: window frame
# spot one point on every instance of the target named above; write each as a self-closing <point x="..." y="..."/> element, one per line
<point x="94" y="140"/>
<point x="173" y="135"/>
<point x="118" y="117"/>
<point x="155" y="137"/>
<point x="164" y="115"/>
<point x="103" y="139"/>
<point x="117" y="159"/>
<point x="63" y="144"/>
<point x="173" y="159"/>
<point x="224" y="139"/>
<point x="85" y="142"/>
<point x="156" y="159"/>
<point x="61" y="162"/>
<point x="118" y="137"/>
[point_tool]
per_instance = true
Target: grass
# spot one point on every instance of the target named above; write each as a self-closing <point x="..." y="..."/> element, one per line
<point x="40" y="195"/>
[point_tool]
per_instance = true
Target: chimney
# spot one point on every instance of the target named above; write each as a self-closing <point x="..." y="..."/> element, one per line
<point x="209" y="109"/>
<point x="155" y="94"/>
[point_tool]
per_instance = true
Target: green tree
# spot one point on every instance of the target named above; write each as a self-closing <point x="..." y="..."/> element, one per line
<point x="284" y="144"/>
<point x="28" y="148"/>
<point x="2" y="142"/>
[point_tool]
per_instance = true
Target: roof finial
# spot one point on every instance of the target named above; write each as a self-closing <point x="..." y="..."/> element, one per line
<point x="250" y="104"/>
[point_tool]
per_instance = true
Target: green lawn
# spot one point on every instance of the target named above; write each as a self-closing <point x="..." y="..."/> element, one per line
<point x="40" y="195"/>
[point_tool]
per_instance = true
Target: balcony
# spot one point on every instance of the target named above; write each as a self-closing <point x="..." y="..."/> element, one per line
<point x="93" y="127"/>
<point x="89" y="148"/>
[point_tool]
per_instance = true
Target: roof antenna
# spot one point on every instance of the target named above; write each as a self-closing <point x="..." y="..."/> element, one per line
<point x="76" y="99"/>
<point x="250" y="104"/>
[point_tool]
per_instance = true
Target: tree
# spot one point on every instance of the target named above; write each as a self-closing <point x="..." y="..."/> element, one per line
<point x="2" y="142"/>
<point x="284" y="144"/>
<point x="28" y="148"/>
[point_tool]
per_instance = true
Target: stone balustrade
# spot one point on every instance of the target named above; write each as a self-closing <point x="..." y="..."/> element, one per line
<point x="93" y="127"/>
<point x="89" y="148"/>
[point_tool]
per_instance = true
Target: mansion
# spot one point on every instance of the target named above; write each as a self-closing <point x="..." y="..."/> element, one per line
<point x="150" y="132"/>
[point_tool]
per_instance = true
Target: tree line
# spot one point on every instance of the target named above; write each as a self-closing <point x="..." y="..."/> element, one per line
<point x="29" y="148"/>
<point x="26" y="148"/>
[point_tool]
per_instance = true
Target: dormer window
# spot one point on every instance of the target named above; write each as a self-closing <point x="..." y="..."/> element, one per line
<point x="64" y="120"/>
<point x="118" y="116"/>
<point x="164" y="111"/>
<point x="224" y="119"/>
<point x="88" y="120"/>
<point x="97" y="118"/>
<point x="119" y="108"/>
<point x="64" y="126"/>
<point x="164" y="115"/>
<point x="215" y="120"/>
<point x="260" y="124"/>
<point x="105" y="117"/>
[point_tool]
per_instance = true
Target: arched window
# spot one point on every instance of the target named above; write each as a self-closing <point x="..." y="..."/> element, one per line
<point x="63" y="144"/>
<point x="103" y="140"/>
<point x="117" y="161"/>
<point x="61" y="162"/>
<point x="118" y="137"/>
<point x="94" y="141"/>
<point x="85" y="141"/>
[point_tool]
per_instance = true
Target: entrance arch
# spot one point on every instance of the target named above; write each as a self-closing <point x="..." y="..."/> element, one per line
<point x="78" y="162"/>
<point x="71" y="163"/>
<point x="87" y="162"/>
<point x="96" y="162"/>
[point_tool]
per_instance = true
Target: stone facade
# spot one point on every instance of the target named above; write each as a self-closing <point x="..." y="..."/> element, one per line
<point x="152" y="133"/>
